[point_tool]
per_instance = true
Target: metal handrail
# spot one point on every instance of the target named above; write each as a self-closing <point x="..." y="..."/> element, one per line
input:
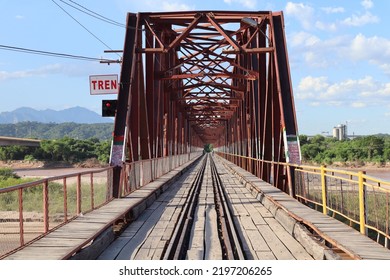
<point x="27" y="210"/>
<point x="31" y="210"/>
<point x="359" y="188"/>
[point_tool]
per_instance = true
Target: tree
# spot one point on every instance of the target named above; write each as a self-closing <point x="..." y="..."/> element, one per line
<point x="208" y="148"/>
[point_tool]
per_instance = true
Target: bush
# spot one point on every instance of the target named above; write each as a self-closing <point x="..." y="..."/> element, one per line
<point x="321" y="150"/>
<point x="6" y="173"/>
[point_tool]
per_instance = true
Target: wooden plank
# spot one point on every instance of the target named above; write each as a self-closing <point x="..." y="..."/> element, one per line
<point x="247" y="223"/>
<point x="56" y="242"/>
<point x="254" y="213"/>
<point x="264" y="255"/>
<point x="114" y="248"/>
<point x="197" y="240"/>
<point x="195" y="254"/>
<point x="257" y="241"/>
<point x="213" y="249"/>
<point x="296" y="249"/>
<point x="277" y="247"/>
<point x="263" y="211"/>
<point x="239" y="209"/>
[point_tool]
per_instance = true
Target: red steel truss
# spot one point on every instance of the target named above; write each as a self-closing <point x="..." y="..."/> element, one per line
<point x="207" y="77"/>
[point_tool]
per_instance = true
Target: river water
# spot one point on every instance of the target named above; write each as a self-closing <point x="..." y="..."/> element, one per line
<point x="381" y="173"/>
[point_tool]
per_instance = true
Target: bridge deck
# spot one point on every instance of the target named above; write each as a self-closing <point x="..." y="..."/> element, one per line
<point x="272" y="225"/>
<point x="80" y="232"/>
<point x="333" y="231"/>
<point x="262" y="236"/>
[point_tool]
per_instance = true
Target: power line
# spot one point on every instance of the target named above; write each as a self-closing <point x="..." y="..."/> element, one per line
<point x="46" y="53"/>
<point x="93" y="14"/>
<point x="82" y="25"/>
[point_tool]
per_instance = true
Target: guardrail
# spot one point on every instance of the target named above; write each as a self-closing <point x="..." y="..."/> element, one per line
<point x="355" y="198"/>
<point x="31" y="210"/>
<point x="139" y="173"/>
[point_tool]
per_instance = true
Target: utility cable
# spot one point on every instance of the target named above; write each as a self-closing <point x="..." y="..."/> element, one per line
<point x="46" y="53"/>
<point x="93" y="14"/>
<point x="83" y="26"/>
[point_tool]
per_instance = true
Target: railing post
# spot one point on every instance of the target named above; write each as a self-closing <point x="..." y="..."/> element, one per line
<point x="78" y="195"/>
<point x="21" y="219"/>
<point x="141" y="174"/>
<point x="323" y="190"/>
<point x="362" y="208"/>
<point x="92" y="193"/>
<point x="65" y="199"/>
<point x="46" y="206"/>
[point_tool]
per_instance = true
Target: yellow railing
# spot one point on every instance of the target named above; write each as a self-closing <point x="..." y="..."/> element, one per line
<point x="353" y="197"/>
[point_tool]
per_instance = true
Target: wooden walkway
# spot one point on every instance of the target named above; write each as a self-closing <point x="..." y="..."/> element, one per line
<point x="261" y="234"/>
<point x="271" y="224"/>
<point x="293" y="213"/>
<point x="85" y="230"/>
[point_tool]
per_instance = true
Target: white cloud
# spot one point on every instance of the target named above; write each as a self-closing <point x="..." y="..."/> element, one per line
<point x="339" y="50"/>
<point x="175" y="6"/>
<point x="374" y="49"/>
<point x="40" y="72"/>
<point x="313" y="84"/>
<point x="385" y="68"/>
<point x="333" y="10"/>
<point x="326" y="26"/>
<point x="315" y="59"/>
<point x="303" y="39"/>
<point x="360" y="20"/>
<point x="19" y="17"/>
<point x="358" y="104"/>
<point x="356" y="93"/>
<point x="246" y="3"/>
<point x="317" y="52"/>
<point x="367" y="4"/>
<point x="303" y="13"/>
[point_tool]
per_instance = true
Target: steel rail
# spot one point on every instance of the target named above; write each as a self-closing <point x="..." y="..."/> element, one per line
<point x="229" y="238"/>
<point x="178" y="244"/>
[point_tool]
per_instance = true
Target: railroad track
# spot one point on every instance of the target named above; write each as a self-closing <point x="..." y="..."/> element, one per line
<point x="220" y="238"/>
<point x="208" y="214"/>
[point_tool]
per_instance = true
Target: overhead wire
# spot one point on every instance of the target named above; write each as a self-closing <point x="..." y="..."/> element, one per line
<point x="93" y="14"/>
<point x="90" y="32"/>
<point x="47" y="53"/>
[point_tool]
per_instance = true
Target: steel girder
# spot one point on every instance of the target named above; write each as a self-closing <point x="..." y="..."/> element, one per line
<point x="193" y="78"/>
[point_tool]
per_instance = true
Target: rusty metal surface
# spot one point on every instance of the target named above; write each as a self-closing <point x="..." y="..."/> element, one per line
<point x="205" y="77"/>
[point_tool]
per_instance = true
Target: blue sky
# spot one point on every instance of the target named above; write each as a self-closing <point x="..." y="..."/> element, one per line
<point x="339" y="55"/>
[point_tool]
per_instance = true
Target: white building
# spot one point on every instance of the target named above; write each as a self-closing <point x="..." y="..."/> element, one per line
<point x="340" y="132"/>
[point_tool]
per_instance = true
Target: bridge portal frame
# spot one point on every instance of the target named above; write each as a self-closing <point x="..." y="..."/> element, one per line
<point x="206" y="77"/>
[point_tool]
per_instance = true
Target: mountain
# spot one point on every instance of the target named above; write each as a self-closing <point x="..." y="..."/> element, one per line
<point x="74" y="114"/>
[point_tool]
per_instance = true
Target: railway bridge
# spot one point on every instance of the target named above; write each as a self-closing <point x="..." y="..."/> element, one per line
<point x="193" y="81"/>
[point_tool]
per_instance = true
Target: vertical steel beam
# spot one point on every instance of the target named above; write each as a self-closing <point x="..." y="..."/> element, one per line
<point x="117" y="146"/>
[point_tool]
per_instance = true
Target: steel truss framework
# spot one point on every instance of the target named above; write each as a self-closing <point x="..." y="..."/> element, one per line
<point x="193" y="78"/>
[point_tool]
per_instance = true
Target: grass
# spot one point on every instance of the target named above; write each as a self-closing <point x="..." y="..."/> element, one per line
<point x="346" y="201"/>
<point x="33" y="197"/>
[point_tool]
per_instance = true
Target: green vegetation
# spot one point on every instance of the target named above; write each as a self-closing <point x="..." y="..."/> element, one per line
<point x="321" y="150"/>
<point x="101" y="131"/>
<point x="208" y="148"/>
<point x="65" y="149"/>
<point x="9" y="201"/>
<point x="9" y="178"/>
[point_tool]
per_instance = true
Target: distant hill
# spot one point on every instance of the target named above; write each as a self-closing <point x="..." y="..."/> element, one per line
<point x="101" y="131"/>
<point x="75" y="115"/>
